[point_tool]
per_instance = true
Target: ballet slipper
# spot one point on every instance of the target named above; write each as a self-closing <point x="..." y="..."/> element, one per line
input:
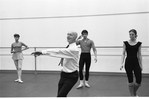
<point x="16" y="80"/>
<point x="86" y="84"/>
<point x="20" y="81"/>
<point x="80" y="86"/>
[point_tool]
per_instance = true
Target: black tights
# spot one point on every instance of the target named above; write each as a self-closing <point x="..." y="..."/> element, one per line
<point x="137" y="72"/>
<point x="85" y="58"/>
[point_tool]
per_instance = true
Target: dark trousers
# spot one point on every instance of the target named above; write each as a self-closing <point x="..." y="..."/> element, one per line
<point x="67" y="81"/>
<point x="85" y="59"/>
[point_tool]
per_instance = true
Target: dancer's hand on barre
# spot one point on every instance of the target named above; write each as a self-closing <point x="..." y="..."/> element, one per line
<point x="37" y="53"/>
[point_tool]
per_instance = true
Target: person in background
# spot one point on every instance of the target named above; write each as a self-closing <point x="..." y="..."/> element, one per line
<point x="132" y="60"/>
<point x="85" y="58"/>
<point x="17" y="56"/>
<point x="70" y="66"/>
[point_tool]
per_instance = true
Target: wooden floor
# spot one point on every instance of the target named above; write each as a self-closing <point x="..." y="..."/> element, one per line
<point x="45" y="85"/>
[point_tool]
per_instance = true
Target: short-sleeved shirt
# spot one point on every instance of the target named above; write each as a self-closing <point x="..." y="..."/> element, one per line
<point x="85" y="45"/>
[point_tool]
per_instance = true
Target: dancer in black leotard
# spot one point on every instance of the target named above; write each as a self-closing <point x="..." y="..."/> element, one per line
<point x="133" y="61"/>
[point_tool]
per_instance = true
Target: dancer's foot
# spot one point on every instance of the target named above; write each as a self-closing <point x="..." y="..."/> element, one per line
<point x="20" y="81"/>
<point x="16" y="80"/>
<point x="87" y="85"/>
<point x="80" y="86"/>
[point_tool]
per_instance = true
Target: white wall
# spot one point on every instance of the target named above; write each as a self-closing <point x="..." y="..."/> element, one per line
<point x="51" y="32"/>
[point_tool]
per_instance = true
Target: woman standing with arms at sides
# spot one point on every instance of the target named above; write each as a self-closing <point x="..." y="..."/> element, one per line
<point x="133" y="62"/>
<point x="17" y="56"/>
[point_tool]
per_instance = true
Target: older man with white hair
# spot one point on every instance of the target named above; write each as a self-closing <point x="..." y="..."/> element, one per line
<point x="70" y="66"/>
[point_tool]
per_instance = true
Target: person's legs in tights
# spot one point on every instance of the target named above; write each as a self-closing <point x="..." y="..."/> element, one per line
<point x="129" y="73"/>
<point x="18" y="64"/>
<point x="138" y="76"/>
<point x="20" y="70"/>
<point x="81" y="67"/>
<point x="88" y="64"/>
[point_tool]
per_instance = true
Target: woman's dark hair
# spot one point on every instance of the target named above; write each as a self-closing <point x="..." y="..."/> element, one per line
<point x="134" y="31"/>
<point x="84" y="32"/>
<point x="16" y="35"/>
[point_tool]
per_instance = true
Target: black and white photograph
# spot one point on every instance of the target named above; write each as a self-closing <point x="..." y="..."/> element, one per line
<point x="74" y="48"/>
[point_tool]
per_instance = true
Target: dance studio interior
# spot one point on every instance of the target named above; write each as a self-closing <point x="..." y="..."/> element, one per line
<point x="45" y="24"/>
